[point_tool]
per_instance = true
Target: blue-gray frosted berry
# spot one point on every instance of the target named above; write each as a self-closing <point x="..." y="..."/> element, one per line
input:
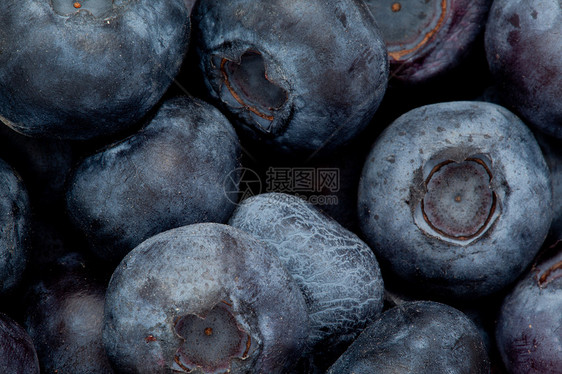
<point x="455" y="199"/>
<point x="89" y="71"/>
<point x="421" y="337"/>
<point x="203" y="298"/>
<point x="295" y="75"/>
<point x="174" y="172"/>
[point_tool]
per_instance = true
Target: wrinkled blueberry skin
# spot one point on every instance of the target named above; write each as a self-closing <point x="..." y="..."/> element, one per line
<point x="171" y="173"/>
<point x="64" y="318"/>
<point x="445" y="48"/>
<point x="79" y="76"/>
<point x="529" y="327"/>
<point x="336" y="271"/>
<point x="392" y="184"/>
<point x="420" y="337"/>
<point x="15" y="222"/>
<point x="17" y="352"/>
<point x="190" y="270"/>
<point x="524" y="52"/>
<point x="328" y="57"/>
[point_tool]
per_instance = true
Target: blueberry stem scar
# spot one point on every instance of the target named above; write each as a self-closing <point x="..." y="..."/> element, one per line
<point x="211" y="341"/>
<point x="458" y="199"/>
<point x="238" y="96"/>
<point x="399" y="54"/>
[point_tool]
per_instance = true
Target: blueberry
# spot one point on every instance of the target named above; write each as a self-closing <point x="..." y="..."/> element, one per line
<point x="426" y="39"/>
<point x="15" y="224"/>
<point x="455" y="199"/>
<point x="336" y="271"/>
<point x="524" y="52"/>
<point x="204" y="298"/>
<point x="295" y="75"/>
<point x="482" y="313"/>
<point x="421" y="337"/>
<point x="17" y="352"/>
<point x="529" y="327"/>
<point x="171" y="173"/>
<point x="64" y="318"/>
<point x="81" y="69"/>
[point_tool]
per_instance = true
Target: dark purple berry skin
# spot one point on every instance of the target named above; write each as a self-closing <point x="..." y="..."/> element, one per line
<point x="455" y="199"/>
<point x="524" y="52"/>
<point x="295" y="75"/>
<point x="336" y="271"/>
<point x="427" y="39"/>
<point x="173" y="172"/>
<point x="421" y="337"/>
<point x="17" y="352"/>
<point x="529" y="327"/>
<point x="64" y="318"/>
<point x="204" y="298"/>
<point x="80" y="73"/>
<point x="15" y="224"/>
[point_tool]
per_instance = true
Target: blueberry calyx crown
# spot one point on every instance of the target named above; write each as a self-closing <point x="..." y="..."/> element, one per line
<point x="409" y="26"/>
<point x="212" y="341"/>
<point x="247" y="87"/>
<point x="458" y="205"/>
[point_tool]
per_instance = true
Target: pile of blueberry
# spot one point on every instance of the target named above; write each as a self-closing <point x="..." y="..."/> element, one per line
<point x="281" y="186"/>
